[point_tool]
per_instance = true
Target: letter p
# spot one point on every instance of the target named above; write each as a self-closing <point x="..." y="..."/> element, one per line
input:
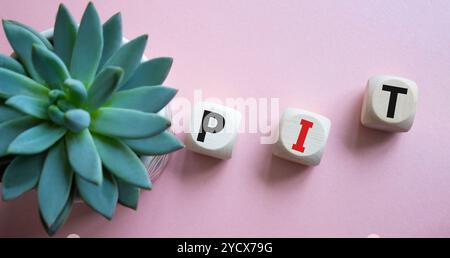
<point x="205" y="127"/>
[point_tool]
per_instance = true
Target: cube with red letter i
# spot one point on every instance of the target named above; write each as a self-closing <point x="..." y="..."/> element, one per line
<point x="389" y="103"/>
<point x="213" y="130"/>
<point x="302" y="136"/>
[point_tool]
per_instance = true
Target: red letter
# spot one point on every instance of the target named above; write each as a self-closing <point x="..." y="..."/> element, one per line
<point x="306" y="125"/>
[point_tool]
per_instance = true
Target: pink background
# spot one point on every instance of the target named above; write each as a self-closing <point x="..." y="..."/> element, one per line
<point x="315" y="55"/>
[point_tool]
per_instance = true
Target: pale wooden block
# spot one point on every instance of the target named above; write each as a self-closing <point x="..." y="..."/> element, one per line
<point x="302" y="136"/>
<point x="389" y="103"/>
<point x="213" y="130"/>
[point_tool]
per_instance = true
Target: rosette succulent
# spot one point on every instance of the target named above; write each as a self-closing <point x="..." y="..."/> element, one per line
<point x="77" y="111"/>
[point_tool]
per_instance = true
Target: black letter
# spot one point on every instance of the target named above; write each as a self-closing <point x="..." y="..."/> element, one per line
<point x="204" y="128"/>
<point x="393" y="98"/>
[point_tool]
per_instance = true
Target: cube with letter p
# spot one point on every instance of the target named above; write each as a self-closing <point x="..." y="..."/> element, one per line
<point x="213" y="130"/>
<point x="302" y="136"/>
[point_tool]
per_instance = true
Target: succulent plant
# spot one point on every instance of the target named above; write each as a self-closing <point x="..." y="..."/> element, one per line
<point x="77" y="111"/>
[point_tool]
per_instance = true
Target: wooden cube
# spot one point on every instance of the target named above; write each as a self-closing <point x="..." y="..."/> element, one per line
<point x="389" y="103"/>
<point x="302" y="136"/>
<point x="213" y="130"/>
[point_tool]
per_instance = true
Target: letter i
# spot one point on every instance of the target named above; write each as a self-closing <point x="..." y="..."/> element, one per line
<point x="306" y="125"/>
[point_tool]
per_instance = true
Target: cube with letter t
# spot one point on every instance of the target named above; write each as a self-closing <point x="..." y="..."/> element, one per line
<point x="302" y="136"/>
<point x="389" y="103"/>
<point x="213" y="130"/>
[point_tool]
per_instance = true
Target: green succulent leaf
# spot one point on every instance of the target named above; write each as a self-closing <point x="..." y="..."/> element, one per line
<point x="65" y="105"/>
<point x="7" y="113"/>
<point x="129" y="56"/>
<point x="88" y="47"/>
<point x="36" y="139"/>
<point x="11" y="64"/>
<point x="55" y="184"/>
<point x="76" y="120"/>
<point x="150" y="99"/>
<point x="56" y="115"/>
<point x="83" y="156"/>
<point x="62" y="217"/>
<point x="37" y="34"/>
<point x="49" y="66"/>
<point x="21" y="175"/>
<point x="21" y="39"/>
<point x="112" y="37"/>
<point x="120" y="160"/>
<point x="64" y="34"/>
<point x="151" y="72"/>
<point x="56" y="94"/>
<point x="77" y="92"/>
<point x="128" y="194"/>
<point x="16" y="84"/>
<point x="102" y="198"/>
<point x="11" y="129"/>
<point x="29" y="105"/>
<point x="127" y="123"/>
<point x="104" y="86"/>
<point x="162" y="143"/>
